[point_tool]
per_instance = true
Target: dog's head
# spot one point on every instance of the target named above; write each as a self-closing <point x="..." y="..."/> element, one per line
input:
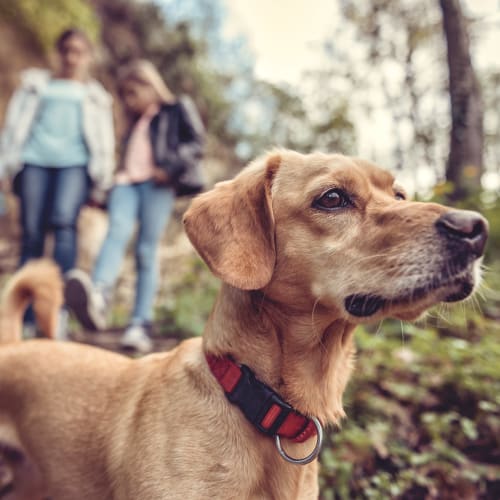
<point x="329" y="231"/>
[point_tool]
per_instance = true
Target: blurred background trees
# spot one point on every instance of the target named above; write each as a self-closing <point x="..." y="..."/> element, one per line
<point x="406" y="65"/>
<point x="399" y="83"/>
<point x="465" y="160"/>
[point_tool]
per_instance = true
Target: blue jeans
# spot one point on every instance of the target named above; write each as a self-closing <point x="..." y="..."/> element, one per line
<point x="51" y="199"/>
<point x="150" y="206"/>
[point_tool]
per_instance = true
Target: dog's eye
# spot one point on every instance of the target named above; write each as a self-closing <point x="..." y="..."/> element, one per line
<point x="399" y="195"/>
<point x="332" y="199"/>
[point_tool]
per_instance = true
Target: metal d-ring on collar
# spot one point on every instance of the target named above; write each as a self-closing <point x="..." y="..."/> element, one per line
<point x="312" y="455"/>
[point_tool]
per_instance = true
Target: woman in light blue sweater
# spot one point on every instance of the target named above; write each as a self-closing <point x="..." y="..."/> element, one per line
<point x="58" y="145"/>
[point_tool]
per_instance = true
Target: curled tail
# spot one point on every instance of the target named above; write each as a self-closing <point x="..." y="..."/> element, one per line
<point x="39" y="282"/>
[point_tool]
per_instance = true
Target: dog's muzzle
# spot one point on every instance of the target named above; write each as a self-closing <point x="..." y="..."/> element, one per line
<point x="464" y="234"/>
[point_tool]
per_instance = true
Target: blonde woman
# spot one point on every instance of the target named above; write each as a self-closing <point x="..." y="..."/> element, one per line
<point x="163" y="136"/>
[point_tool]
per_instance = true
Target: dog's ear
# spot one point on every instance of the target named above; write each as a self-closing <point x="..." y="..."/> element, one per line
<point x="232" y="226"/>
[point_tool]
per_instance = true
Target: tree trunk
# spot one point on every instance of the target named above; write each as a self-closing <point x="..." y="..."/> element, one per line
<point x="465" y="161"/>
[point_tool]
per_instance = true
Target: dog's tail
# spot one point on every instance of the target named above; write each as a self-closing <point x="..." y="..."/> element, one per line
<point x="40" y="283"/>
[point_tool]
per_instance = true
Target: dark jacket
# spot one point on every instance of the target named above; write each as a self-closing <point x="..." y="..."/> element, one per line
<point x="177" y="138"/>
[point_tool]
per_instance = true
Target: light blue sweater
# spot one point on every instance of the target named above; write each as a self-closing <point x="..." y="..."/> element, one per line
<point x="57" y="138"/>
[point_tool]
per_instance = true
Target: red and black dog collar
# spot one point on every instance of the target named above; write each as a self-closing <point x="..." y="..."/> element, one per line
<point x="261" y="405"/>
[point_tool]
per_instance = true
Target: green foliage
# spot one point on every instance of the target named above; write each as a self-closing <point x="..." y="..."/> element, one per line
<point x="284" y="119"/>
<point x="423" y="414"/>
<point x="192" y="300"/>
<point x="43" y="21"/>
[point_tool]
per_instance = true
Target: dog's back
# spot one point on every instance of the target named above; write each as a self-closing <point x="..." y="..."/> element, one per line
<point x="39" y="282"/>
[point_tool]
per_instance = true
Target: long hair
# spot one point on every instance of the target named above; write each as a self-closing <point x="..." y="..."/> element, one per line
<point x="144" y="72"/>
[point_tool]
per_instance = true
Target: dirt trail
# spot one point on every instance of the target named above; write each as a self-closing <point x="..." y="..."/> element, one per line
<point x="109" y="339"/>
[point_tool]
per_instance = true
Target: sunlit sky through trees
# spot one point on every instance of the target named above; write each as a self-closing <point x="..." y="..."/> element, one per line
<point x="281" y="41"/>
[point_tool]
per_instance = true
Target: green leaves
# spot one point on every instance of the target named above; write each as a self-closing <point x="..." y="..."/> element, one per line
<point x="423" y="413"/>
<point x="191" y="301"/>
<point x="42" y="22"/>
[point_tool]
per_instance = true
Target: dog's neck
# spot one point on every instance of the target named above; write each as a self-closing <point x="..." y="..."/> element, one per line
<point x="306" y="357"/>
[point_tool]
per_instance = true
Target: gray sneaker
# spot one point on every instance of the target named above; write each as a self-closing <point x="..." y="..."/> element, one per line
<point x="85" y="301"/>
<point x="136" y="338"/>
<point x="62" y="325"/>
<point x="29" y="331"/>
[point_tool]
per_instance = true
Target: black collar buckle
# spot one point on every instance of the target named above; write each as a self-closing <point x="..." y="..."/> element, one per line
<point x="260" y="404"/>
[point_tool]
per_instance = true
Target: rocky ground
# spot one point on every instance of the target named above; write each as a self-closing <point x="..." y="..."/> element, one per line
<point x="109" y="339"/>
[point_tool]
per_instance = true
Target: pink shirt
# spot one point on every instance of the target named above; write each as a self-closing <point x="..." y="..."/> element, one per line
<point x="138" y="162"/>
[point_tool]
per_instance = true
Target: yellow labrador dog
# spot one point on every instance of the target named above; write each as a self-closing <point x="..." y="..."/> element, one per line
<point x="307" y="246"/>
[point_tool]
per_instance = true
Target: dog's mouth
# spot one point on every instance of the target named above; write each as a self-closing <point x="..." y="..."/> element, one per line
<point x="364" y="305"/>
<point x="450" y="289"/>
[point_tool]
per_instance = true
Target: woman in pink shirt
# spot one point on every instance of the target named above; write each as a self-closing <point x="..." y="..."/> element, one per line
<point x="163" y="134"/>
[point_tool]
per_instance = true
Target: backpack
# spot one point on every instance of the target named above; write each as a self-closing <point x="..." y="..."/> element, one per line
<point x="177" y="136"/>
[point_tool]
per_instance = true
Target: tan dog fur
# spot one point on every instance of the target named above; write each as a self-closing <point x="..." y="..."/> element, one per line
<point x="96" y="425"/>
<point x="38" y="282"/>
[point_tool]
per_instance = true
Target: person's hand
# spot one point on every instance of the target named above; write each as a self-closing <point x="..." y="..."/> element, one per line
<point x="96" y="204"/>
<point x="160" y="176"/>
<point x="98" y="198"/>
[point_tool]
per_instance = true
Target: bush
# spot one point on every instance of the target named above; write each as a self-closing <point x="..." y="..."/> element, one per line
<point x="42" y="22"/>
<point x="191" y="302"/>
<point x="423" y="414"/>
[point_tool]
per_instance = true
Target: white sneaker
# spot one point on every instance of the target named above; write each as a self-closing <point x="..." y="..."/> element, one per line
<point x="29" y="331"/>
<point x="86" y="302"/>
<point x="62" y="326"/>
<point x="136" y="338"/>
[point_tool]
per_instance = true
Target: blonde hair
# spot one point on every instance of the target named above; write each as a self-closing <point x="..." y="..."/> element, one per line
<point x="145" y="72"/>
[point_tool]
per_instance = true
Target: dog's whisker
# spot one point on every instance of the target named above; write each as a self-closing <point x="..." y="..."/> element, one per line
<point x="262" y="302"/>
<point x="480" y="294"/>
<point x="313" y="323"/>
<point x="488" y="291"/>
<point x="379" y="328"/>
<point x="477" y="304"/>
<point x="387" y="255"/>
<point x="403" y="340"/>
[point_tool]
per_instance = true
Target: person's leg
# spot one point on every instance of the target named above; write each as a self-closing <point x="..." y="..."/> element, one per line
<point x="71" y="186"/>
<point x="155" y="210"/>
<point x="34" y="197"/>
<point x="34" y="205"/>
<point x="88" y="297"/>
<point x="123" y="209"/>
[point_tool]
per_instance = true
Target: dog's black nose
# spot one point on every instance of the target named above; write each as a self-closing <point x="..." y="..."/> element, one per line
<point x="464" y="226"/>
